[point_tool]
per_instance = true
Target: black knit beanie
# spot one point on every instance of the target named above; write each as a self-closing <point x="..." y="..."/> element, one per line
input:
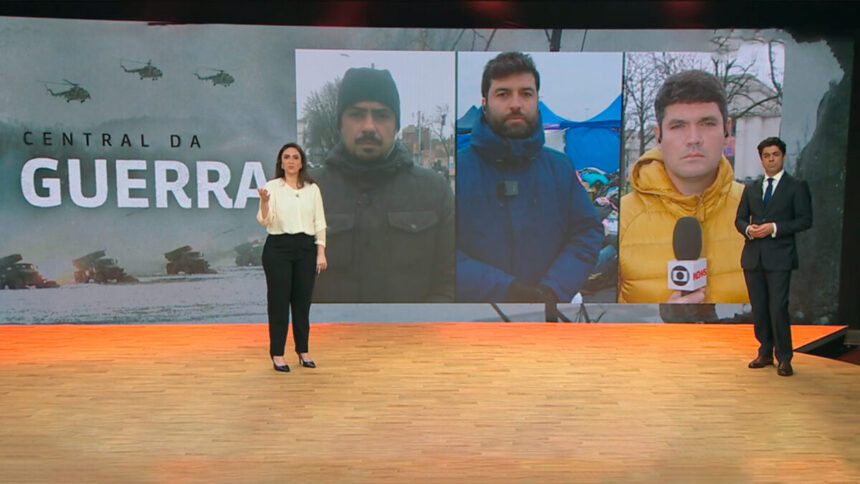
<point x="366" y="84"/>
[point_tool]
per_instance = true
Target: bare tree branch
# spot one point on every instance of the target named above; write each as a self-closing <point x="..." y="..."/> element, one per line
<point x="754" y="105"/>
<point x="320" y="116"/>
<point x="460" y="36"/>
<point x="772" y="61"/>
<point x="490" y="40"/>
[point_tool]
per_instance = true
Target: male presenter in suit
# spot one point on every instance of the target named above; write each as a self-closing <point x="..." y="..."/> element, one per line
<point x="772" y="209"/>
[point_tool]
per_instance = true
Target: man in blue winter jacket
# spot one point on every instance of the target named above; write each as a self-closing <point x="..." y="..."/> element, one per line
<point x="526" y="229"/>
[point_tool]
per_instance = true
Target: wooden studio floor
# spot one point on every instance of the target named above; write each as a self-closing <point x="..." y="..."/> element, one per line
<point x="421" y="402"/>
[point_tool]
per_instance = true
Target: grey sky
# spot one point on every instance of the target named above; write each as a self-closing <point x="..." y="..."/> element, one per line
<point x="757" y="54"/>
<point x="424" y="79"/>
<point x="575" y="85"/>
<point x="750" y="54"/>
<point x="90" y="53"/>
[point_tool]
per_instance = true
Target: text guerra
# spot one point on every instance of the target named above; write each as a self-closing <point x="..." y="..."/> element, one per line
<point x="170" y="179"/>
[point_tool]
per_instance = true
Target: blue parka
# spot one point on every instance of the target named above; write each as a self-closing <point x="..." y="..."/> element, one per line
<point x="548" y="233"/>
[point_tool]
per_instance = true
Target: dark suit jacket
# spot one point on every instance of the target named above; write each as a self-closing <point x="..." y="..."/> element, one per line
<point x="790" y="208"/>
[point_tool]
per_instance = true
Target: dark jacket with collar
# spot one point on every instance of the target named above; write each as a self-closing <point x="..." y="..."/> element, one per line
<point x="390" y="234"/>
<point x="790" y="207"/>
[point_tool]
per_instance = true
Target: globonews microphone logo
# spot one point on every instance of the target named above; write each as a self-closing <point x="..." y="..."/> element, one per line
<point x="681" y="275"/>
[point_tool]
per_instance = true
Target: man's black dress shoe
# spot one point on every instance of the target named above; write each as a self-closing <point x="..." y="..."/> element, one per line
<point x="761" y="362"/>
<point x="307" y="363"/>
<point x="284" y="367"/>
<point x="784" y="369"/>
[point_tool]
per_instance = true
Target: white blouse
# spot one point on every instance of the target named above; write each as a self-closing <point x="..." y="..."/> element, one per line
<point x="294" y="211"/>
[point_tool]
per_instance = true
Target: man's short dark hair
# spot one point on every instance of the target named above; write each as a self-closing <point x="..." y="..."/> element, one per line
<point x="772" y="141"/>
<point x="505" y="64"/>
<point x="691" y="87"/>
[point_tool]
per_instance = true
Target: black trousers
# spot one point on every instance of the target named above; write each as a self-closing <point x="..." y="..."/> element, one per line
<point x="768" y="291"/>
<point x="289" y="261"/>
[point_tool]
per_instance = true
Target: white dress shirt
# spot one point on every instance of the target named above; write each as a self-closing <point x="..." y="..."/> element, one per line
<point x="294" y="211"/>
<point x="775" y="182"/>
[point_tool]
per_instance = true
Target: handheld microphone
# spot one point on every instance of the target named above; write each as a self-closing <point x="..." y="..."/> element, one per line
<point x="688" y="271"/>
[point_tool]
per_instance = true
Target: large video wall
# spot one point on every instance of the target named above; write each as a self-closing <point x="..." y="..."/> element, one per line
<point x="131" y="154"/>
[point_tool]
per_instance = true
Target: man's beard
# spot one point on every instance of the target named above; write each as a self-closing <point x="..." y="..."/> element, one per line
<point x="376" y="145"/>
<point x="517" y="131"/>
<point x="379" y="151"/>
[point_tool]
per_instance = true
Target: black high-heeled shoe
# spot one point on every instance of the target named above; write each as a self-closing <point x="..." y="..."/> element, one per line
<point x="306" y="363"/>
<point x="284" y="367"/>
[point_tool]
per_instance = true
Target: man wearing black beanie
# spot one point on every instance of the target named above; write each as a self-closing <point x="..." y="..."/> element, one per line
<point x="391" y="223"/>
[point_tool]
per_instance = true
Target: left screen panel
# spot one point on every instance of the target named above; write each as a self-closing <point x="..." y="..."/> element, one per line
<point x="130" y="161"/>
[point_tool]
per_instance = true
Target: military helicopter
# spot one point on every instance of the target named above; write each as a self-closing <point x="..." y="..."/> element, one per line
<point x="75" y="92"/>
<point x="220" y="76"/>
<point x="145" y="71"/>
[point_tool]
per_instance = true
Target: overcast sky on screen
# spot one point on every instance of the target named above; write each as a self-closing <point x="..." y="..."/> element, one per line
<point x="575" y="85"/>
<point x="424" y="79"/>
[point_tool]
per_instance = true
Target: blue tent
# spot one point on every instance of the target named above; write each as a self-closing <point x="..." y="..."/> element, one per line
<point x="595" y="142"/>
<point x="464" y="126"/>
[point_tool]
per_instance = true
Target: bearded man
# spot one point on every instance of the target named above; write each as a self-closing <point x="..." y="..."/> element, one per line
<point x="526" y="229"/>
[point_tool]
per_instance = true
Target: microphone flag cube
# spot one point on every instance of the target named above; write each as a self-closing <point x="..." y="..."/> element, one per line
<point x="687" y="275"/>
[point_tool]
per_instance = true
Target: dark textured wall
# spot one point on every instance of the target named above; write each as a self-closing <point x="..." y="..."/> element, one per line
<point x="822" y="165"/>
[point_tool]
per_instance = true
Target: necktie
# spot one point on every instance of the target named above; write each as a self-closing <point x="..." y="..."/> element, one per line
<point x="768" y="191"/>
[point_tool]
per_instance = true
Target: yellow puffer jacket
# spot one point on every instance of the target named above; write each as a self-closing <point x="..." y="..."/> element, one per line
<point x="647" y="222"/>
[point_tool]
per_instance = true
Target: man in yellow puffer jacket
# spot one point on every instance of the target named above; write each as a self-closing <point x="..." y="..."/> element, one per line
<point x="685" y="175"/>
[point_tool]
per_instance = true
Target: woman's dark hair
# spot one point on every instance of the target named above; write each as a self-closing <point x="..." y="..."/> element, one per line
<point x="304" y="177"/>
